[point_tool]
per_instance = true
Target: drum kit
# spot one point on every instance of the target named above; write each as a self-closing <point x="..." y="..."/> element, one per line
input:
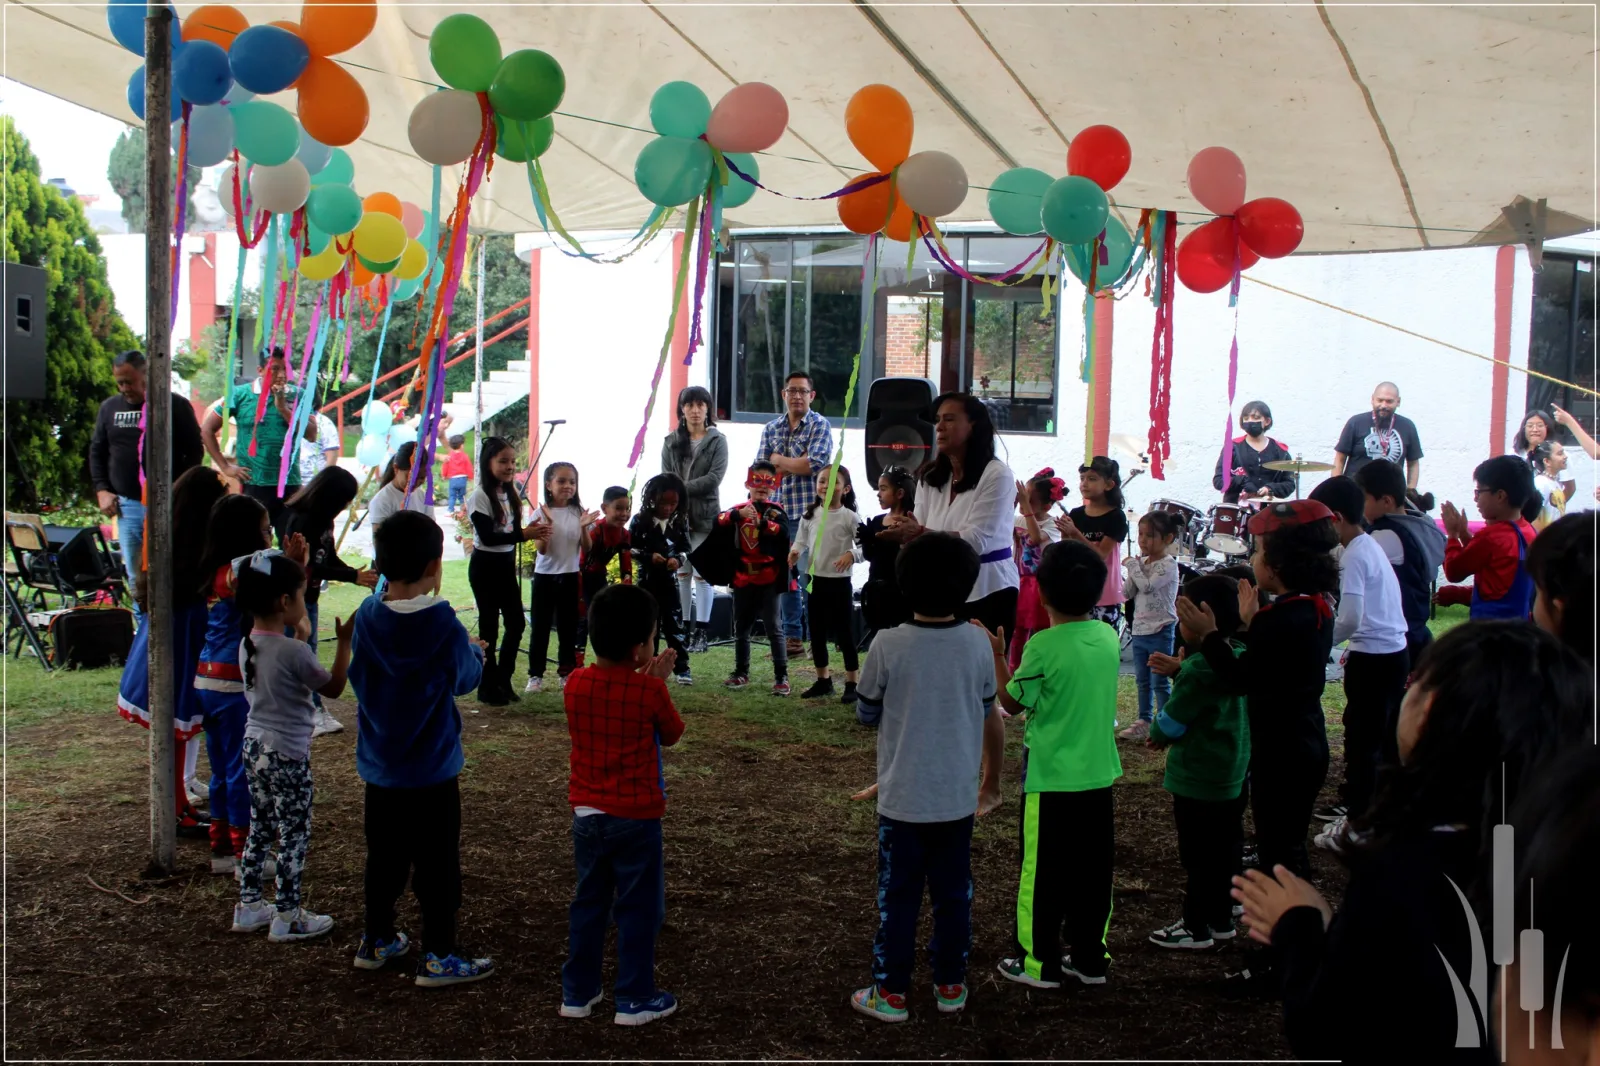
<point x="1224" y="529"/>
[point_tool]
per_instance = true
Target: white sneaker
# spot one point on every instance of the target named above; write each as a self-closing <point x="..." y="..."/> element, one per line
<point x="223" y="864"/>
<point x="198" y="791"/>
<point x="325" y="723"/>
<point x="561" y="684"/>
<point x="252" y="917"/>
<point x="683" y="679"/>
<point x="535" y="684"/>
<point x="1335" y="837"/>
<point x="269" y="870"/>
<point x="300" y="925"/>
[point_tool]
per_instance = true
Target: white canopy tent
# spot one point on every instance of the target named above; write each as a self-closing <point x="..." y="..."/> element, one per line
<point x="1390" y="127"/>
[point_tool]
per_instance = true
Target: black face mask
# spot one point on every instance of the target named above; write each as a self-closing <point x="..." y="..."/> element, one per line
<point x="1255" y="429"/>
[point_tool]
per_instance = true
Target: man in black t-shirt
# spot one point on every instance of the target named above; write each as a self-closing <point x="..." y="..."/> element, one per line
<point x="1380" y="434"/>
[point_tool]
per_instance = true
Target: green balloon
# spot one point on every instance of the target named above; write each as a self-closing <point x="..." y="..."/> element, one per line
<point x="671" y="171"/>
<point x="1014" y="200"/>
<point x="377" y="268"/>
<point x="408" y="288"/>
<point x="465" y="52"/>
<point x="737" y="192"/>
<point x="1119" y="257"/>
<point x="1074" y="210"/>
<point x="338" y="170"/>
<point x="264" y="133"/>
<point x="680" y="109"/>
<point x="333" y="208"/>
<point x="316" y="240"/>
<point x="522" y="141"/>
<point x="529" y="84"/>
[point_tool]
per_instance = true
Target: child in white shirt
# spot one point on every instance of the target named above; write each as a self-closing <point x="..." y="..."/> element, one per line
<point x="833" y="556"/>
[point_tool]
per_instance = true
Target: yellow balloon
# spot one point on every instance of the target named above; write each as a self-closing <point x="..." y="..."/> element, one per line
<point x="380" y="237"/>
<point x="413" y="261"/>
<point x="324" y="265"/>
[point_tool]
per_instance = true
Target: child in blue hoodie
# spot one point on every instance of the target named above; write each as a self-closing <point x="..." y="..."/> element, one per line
<point x="409" y="660"/>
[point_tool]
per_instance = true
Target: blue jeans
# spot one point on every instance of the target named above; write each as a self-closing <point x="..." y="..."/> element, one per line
<point x="792" y="605"/>
<point x="458" y="493"/>
<point x="909" y="855"/>
<point x="1151" y="683"/>
<point x="620" y="876"/>
<point x="311" y="616"/>
<point x="130" y="535"/>
<point x="226" y="713"/>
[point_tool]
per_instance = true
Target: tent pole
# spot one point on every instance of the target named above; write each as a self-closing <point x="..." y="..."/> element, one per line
<point x="158" y="424"/>
<point x="477" y="362"/>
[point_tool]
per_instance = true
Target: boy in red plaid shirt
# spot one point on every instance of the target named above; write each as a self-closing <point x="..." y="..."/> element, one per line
<point x="618" y="715"/>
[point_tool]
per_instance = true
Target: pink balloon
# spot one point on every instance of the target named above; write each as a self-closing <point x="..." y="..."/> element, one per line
<point x="1216" y="179"/>
<point x="411" y="219"/>
<point x="750" y="118"/>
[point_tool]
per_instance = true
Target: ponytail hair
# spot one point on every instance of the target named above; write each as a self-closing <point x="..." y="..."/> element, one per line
<point x="1108" y="469"/>
<point x="903" y="482"/>
<point x="260" y="582"/>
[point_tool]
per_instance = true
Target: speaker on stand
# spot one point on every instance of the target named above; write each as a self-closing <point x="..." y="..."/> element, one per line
<point x="898" y="431"/>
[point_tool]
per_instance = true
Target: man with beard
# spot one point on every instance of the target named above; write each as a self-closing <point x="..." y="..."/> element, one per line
<point x="1381" y="434"/>
<point x="1246" y="475"/>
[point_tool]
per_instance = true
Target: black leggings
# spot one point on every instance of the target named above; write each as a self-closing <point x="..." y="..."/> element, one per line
<point x="493" y="577"/>
<point x="996" y="611"/>
<point x="830" y="612"/>
<point x="555" y="597"/>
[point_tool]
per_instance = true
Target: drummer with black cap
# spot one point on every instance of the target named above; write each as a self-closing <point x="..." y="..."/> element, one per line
<point x="1247" y="474"/>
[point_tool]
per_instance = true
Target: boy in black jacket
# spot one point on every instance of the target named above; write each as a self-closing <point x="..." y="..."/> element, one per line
<point x="658" y="540"/>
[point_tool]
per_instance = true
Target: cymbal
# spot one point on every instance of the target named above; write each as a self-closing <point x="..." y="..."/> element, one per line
<point x="1298" y="466"/>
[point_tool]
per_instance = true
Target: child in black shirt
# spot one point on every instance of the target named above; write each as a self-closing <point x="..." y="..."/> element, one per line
<point x="659" y="542"/>
<point x="1100" y="522"/>
<point x="881" y="601"/>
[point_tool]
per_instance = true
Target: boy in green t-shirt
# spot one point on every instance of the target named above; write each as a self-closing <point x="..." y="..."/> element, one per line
<point x="1209" y="734"/>
<point x="1066" y="685"/>
<point x="259" y="472"/>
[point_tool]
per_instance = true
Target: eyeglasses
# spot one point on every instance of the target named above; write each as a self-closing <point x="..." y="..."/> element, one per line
<point x="797" y="392"/>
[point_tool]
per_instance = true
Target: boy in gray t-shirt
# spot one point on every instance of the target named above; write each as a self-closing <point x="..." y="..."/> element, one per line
<point x="929" y="687"/>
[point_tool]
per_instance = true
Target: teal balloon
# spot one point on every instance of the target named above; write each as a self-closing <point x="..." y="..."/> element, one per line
<point x="1074" y="210"/>
<point x="333" y="208"/>
<point x="680" y="109"/>
<point x="399" y="435"/>
<point x="316" y="240"/>
<point x="265" y="133"/>
<point x="408" y="288"/>
<point x="1119" y="257"/>
<point x="671" y="171"/>
<point x="737" y="192"/>
<point x="465" y="52"/>
<point x="528" y="84"/>
<point x="338" y="170"/>
<point x="373" y="451"/>
<point x="436" y="277"/>
<point x="519" y="142"/>
<point x="1014" y="200"/>
<point x="376" y="419"/>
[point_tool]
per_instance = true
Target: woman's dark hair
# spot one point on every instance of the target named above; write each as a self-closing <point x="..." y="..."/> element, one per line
<point x="232" y="529"/>
<point x="903" y="482"/>
<point x="1220" y="593"/>
<point x="1505" y="696"/>
<point x="1541" y="452"/>
<point x="132" y="357"/>
<point x="1561" y="562"/>
<point x="401" y="458"/>
<point x="847" y="500"/>
<point x="1422" y="501"/>
<point x="1519" y="443"/>
<point x="1512" y="475"/>
<point x="1382" y="480"/>
<point x="1071" y="576"/>
<point x="935" y="473"/>
<point x="1256" y="407"/>
<point x="1302" y="556"/>
<point x="550" y="472"/>
<point x="324" y="496"/>
<point x="680" y="436"/>
<point x="1161" y="523"/>
<point x="493" y="446"/>
<point x="194" y="494"/>
<point x="258" y="594"/>
<point x="659" y="484"/>
<point x="1108" y="469"/>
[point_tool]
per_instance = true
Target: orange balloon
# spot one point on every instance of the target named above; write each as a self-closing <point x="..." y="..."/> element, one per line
<point x="217" y="23"/>
<point x="867" y="211"/>
<point x="878" y="120"/>
<point x="899" y="227"/>
<point x="360" y="276"/>
<point x="333" y="26"/>
<point x="332" y="107"/>
<point x="285" y="24"/>
<point x="386" y="202"/>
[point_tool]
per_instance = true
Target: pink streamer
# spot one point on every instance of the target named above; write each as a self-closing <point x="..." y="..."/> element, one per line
<point x="702" y="260"/>
<point x="291" y="449"/>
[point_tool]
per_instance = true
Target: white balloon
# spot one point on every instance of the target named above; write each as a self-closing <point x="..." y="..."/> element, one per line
<point x="281" y="189"/>
<point x="445" y="127"/>
<point x="210" y="135"/>
<point x="225" y="191"/>
<point x="933" y="184"/>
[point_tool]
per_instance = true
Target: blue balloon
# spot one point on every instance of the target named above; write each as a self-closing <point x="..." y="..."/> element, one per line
<point x="399" y="435"/>
<point x="210" y="135"/>
<point x="372" y="451"/>
<point x="136" y="96"/>
<point x="126" y="22"/>
<point x="268" y="59"/>
<point x="200" y="72"/>
<point x="313" y="153"/>
<point x="376" y="419"/>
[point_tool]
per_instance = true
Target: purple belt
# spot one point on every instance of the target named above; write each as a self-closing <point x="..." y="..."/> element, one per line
<point x="999" y="555"/>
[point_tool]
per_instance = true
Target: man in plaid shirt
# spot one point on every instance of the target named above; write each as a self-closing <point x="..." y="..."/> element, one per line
<point x="799" y="443"/>
<point x="618" y="715"/>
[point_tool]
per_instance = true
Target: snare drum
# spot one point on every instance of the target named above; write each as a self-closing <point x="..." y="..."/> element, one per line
<point x="1188" y="517"/>
<point x="1225" y="532"/>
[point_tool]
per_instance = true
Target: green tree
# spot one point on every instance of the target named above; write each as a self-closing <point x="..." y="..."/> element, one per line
<point x="48" y="440"/>
<point x="125" y="171"/>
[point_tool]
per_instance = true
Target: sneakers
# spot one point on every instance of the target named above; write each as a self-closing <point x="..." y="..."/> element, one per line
<point x="324" y="723"/>
<point x="1257" y="983"/>
<point x="848" y="698"/>
<point x="781" y="689"/>
<point x="736" y="682"/>
<point x="561" y="683"/>
<point x="1180" y="936"/>
<point x="1333" y="812"/>
<point x="823" y="686"/>
<point x="645" y="1011"/>
<point x="950" y="998"/>
<point x="252" y="917"/>
<point x="796" y="648"/>
<point x="1335" y="838"/>
<point x="1226" y="933"/>
<point x="876" y="1003"/>
<point x="1238" y="910"/>
<point x="223" y="864"/>
<point x="436" y="972"/>
<point x="535" y="684"/>
<point x="1139" y="730"/>
<point x="1250" y="857"/>
<point x="580" y="1010"/>
<point x="684" y="678"/>
<point x="300" y="924"/>
<point x="1085" y="978"/>
<point x="372" y="954"/>
<point x="269" y="870"/>
<point x="699" y="640"/>
<point x="193" y="825"/>
<point x="1014" y="970"/>
<point x="197" y="791"/>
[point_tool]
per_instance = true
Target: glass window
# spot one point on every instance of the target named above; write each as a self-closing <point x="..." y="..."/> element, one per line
<point x="1012" y="340"/>
<point x="917" y="308"/>
<point x="1561" y="341"/>
<point x="761" y="308"/>
<point x="825" y="318"/>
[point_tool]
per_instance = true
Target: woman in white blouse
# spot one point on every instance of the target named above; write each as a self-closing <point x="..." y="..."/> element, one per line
<point x="967" y="491"/>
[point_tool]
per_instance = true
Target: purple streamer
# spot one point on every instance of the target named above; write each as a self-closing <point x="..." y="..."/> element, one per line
<point x="702" y="258"/>
<point x="854" y="186"/>
<point x="181" y="214"/>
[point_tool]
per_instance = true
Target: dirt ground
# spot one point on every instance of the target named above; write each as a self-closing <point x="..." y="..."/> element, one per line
<point x="770" y="913"/>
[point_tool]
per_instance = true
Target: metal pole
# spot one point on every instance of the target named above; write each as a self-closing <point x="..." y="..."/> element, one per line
<point x="477" y="361"/>
<point x="158" y="431"/>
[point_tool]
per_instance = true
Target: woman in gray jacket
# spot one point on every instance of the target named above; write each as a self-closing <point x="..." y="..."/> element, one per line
<point x="698" y="453"/>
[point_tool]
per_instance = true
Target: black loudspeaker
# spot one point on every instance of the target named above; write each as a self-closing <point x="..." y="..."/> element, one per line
<point x="898" y="430"/>
<point x="721" y="616"/>
<point x="81" y="558"/>
<point x="27" y="294"/>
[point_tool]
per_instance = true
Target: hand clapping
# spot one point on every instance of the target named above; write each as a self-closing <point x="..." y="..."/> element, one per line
<point x="1455" y="523"/>
<point x="1197" y="620"/>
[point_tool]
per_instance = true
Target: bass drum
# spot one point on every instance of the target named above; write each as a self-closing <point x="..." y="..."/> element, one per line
<point x="1226" y="531"/>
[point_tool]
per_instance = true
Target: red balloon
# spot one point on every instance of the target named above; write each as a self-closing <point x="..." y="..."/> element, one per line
<point x="1271" y="226"/>
<point x="1101" y="154"/>
<point x="1205" y="256"/>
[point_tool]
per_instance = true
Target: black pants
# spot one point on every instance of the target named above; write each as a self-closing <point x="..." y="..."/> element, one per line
<point x="1210" y="834"/>
<point x="592" y="584"/>
<point x="996" y="611"/>
<point x="267" y="496"/>
<point x="555" y="597"/>
<point x="751" y="604"/>
<point x="1373" y="688"/>
<point x="493" y="577"/>
<point x="1064" y="895"/>
<point x="415" y="832"/>
<point x="1283" y="793"/>
<point x="831" y="614"/>
<point x="911" y="855"/>
<point x="669" y="602"/>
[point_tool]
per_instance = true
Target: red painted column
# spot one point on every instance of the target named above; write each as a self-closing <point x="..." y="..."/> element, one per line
<point x="203" y="289"/>
<point x="677" y="373"/>
<point x="1505" y="264"/>
<point x="1104" y="309"/>
<point x="533" y="353"/>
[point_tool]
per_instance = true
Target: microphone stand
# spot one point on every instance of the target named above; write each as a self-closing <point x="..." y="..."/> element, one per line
<point x="534" y="466"/>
